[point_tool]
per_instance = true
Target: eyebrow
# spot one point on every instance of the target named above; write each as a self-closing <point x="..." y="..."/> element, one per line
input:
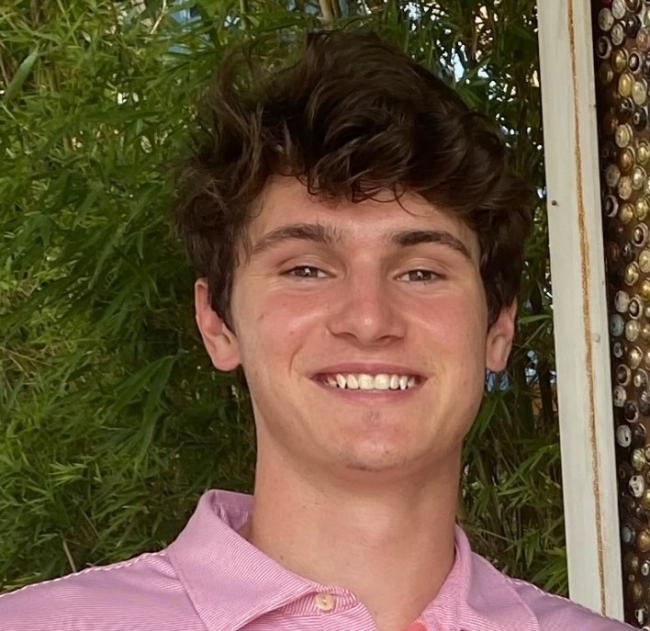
<point x="328" y="235"/>
<point x="316" y="233"/>
<point x="407" y="238"/>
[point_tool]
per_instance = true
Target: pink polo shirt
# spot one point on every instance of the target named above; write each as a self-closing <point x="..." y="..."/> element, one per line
<point x="211" y="579"/>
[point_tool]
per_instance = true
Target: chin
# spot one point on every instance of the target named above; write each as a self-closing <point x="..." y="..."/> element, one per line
<point x="367" y="466"/>
<point x="378" y="458"/>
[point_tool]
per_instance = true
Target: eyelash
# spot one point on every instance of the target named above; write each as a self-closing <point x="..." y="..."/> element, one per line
<point x="293" y="270"/>
<point x="319" y="273"/>
<point x="433" y="276"/>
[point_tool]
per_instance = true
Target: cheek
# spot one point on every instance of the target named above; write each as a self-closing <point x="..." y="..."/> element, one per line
<point x="456" y="321"/>
<point x="455" y="330"/>
<point x="274" y="324"/>
<point x="288" y="315"/>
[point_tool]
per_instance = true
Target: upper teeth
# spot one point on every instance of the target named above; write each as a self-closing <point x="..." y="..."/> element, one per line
<point x="363" y="381"/>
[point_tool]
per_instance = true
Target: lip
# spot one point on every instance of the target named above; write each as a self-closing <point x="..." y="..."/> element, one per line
<point x="370" y="368"/>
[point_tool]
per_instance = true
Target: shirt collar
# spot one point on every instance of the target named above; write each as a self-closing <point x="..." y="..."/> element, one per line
<point x="230" y="582"/>
<point x="476" y="596"/>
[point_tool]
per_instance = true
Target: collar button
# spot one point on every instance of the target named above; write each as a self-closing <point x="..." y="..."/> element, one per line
<point x="324" y="602"/>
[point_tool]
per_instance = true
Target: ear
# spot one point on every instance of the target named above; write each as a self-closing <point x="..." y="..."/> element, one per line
<point x="220" y="342"/>
<point x="499" y="339"/>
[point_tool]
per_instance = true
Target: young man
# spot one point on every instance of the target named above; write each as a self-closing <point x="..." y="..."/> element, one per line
<point x="359" y="246"/>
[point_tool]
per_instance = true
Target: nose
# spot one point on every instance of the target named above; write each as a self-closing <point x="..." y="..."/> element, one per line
<point x="366" y="311"/>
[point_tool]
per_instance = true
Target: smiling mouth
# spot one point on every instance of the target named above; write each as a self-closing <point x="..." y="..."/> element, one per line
<point x="370" y="383"/>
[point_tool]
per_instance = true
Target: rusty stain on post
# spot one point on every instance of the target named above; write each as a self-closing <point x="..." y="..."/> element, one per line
<point x="586" y="311"/>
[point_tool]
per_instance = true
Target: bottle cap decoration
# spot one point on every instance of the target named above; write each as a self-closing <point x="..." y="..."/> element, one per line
<point x="622" y="69"/>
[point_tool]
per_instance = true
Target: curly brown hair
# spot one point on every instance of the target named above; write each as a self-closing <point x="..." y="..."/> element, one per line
<point x="352" y="118"/>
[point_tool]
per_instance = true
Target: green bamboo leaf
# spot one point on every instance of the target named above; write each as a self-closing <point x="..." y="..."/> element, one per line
<point x="20" y="76"/>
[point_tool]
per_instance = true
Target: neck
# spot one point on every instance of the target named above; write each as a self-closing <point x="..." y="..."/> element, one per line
<point x="391" y="544"/>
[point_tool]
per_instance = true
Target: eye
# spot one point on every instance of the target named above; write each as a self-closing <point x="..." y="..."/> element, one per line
<point x="419" y="276"/>
<point x="306" y="271"/>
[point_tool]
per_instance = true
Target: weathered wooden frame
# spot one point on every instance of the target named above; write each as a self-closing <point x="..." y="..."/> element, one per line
<point x="579" y="302"/>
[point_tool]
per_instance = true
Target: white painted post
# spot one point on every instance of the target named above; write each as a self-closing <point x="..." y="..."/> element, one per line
<point x="579" y="304"/>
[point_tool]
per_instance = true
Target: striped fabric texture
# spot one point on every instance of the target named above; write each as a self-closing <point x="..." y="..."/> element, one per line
<point x="211" y="579"/>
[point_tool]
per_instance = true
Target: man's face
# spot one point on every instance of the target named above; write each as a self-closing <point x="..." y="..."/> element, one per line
<point x="362" y="331"/>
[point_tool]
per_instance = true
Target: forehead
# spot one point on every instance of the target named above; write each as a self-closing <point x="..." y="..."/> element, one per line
<point x="286" y="201"/>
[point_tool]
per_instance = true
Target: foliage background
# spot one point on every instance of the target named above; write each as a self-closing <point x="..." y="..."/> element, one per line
<point x="111" y="420"/>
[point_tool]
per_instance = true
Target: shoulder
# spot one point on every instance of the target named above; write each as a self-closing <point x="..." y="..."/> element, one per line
<point x="556" y="612"/>
<point x="143" y="593"/>
<point x="552" y="612"/>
